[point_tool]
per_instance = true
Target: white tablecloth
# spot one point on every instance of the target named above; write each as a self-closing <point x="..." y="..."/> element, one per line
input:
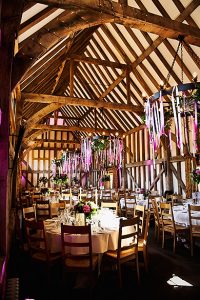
<point x="106" y="239"/>
<point x="181" y="214"/>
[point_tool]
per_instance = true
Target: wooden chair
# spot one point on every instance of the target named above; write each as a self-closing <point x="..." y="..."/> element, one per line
<point x="64" y="203"/>
<point x="139" y="211"/>
<point x="143" y="240"/>
<point x="111" y="205"/>
<point x="157" y="219"/>
<point x="25" y="200"/>
<point x="130" y="203"/>
<point x="56" y="208"/>
<point x="194" y="218"/>
<point x="36" y="197"/>
<point x="83" y="260"/>
<point x="29" y="213"/>
<point x="106" y="195"/>
<point x="177" y="199"/>
<point x="37" y="244"/>
<point x="169" y="226"/>
<point x="127" y="249"/>
<point x="43" y="210"/>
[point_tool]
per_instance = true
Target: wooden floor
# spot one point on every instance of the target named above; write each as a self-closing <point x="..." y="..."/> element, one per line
<point x="163" y="265"/>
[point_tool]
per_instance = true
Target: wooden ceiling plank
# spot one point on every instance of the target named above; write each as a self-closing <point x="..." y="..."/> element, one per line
<point x="79" y="45"/>
<point x="56" y="53"/>
<point x="142" y="66"/>
<point x="152" y="47"/>
<point x="36" y="19"/>
<point x="27" y="63"/>
<point x="111" y="79"/>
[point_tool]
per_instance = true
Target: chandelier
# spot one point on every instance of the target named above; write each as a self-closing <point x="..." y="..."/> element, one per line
<point x="182" y="108"/>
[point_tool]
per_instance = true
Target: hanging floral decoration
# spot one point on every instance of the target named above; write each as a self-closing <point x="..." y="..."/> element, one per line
<point x="43" y="180"/>
<point x="103" y="151"/>
<point x="100" y="143"/>
<point x="60" y="179"/>
<point x="183" y="107"/>
<point x="68" y="164"/>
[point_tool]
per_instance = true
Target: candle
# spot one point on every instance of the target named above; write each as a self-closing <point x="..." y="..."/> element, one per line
<point x="96" y="196"/>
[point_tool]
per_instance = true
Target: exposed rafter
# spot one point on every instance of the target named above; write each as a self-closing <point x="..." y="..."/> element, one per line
<point x="77" y="128"/>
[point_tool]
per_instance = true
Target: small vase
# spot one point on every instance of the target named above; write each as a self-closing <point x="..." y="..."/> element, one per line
<point x="80" y="219"/>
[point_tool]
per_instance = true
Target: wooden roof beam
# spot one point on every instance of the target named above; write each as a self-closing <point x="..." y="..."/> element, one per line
<point x="77" y="128"/>
<point x="74" y="101"/>
<point x="137" y="18"/>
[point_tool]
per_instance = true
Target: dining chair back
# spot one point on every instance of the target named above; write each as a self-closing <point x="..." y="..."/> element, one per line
<point x="157" y="218"/>
<point x="139" y="211"/>
<point x="127" y="249"/>
<point x="43" y="210"/>
<point x="77" y="253"/>
<point x="56" y="208"/>
<point x="194" y="223"/>
<point x="169" y="226"/>
<point x="113" y="205"/>
<point x="37" y="243"/>
<point x="130" y="203"/>
<point x="29" y="213"/>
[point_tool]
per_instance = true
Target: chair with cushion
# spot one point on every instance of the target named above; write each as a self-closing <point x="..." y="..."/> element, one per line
<point x="169" y="226"/>
<point x="127" y="250"/>
<point x="194" y="222"/>
<point x="77" y="254"/>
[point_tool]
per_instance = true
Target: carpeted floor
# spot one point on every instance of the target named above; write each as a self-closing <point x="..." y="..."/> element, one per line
<point x="163" y="267"/>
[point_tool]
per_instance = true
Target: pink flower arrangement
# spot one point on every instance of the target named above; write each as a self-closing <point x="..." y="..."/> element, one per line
<point x="88" y="208"/>
<point x="196" y="175"/>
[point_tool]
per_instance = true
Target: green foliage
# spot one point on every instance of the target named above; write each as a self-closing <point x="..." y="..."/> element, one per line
<point x="60" y="179"/>
<point x="100" y="143"/>
<point x="196" y="175"/>
<point x="89" y="208"/>
<point x="105" y="178"/>
<point x="43" y="180"/>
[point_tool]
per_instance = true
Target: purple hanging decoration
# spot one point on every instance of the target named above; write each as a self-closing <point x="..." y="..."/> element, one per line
<point x="195" y="128"/>
<point x="0" y="115"/>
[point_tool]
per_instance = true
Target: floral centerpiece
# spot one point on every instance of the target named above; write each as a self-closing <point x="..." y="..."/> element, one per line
<point x="89" y="208"/>
<point x="196" y="175"/>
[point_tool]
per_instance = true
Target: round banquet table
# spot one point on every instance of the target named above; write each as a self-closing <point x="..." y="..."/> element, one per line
<point x="102" y="239"/>
<point x="181" y="214"/>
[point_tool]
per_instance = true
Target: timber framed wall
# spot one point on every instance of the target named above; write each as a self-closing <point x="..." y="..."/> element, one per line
<point x="168" y="171"/>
